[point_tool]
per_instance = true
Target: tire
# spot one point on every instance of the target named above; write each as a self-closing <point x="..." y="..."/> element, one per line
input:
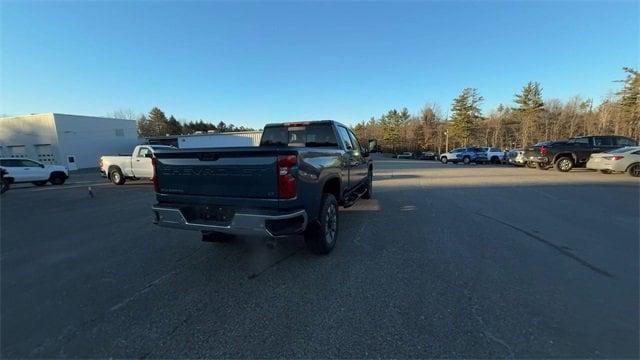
<point x="541" y="166"/>
<point x="57" y="179"/>
<point x="116" y="177"/>
<point x="466" y="160"/>
<point x="4" y="187"/>
<point x="564" y="164"/>
<point x="321" y="235"/>
<point x="605" y="171"/>
<point x="39" y="183"/>
<point x="369" y="192"/>
<point x="530" y="165"/>
<point x="444" y="160"/>
<point x="634" y="170"/>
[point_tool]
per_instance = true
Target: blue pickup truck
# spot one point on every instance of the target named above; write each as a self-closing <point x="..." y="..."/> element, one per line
<point x="292" y="183"/>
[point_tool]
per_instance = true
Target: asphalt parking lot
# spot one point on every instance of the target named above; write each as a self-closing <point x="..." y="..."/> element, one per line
<point x="446" y="261"/>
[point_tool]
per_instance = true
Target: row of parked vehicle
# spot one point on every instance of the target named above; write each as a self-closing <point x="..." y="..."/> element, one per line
<point x="479" y="155"/>
<point x="607" y="154"/>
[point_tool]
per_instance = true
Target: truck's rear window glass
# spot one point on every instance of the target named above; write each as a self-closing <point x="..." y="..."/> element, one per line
<point x="579" y="141"/>
<point x="299" y="136"/>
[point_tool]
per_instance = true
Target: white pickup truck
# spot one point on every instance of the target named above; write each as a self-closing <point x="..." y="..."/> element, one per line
<point x="118" y="169"/>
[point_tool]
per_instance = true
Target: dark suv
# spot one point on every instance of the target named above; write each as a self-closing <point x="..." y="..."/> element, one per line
<point x="575" y="152"/>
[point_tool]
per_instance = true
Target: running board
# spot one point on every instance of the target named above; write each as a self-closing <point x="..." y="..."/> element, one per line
<point x="353" y="197"/>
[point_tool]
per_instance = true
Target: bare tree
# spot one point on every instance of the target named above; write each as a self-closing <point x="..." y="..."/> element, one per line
<point x="127" y="114"/>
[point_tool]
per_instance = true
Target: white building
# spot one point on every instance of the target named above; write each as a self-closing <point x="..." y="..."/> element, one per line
<point x="71" y="140"/>
<point x="208" y="140"/>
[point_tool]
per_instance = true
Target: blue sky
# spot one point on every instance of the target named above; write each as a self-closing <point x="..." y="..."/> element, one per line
<point x="252" y="63"/>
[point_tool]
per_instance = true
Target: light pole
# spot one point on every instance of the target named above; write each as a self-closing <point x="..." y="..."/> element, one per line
<point x="446" y="141"/>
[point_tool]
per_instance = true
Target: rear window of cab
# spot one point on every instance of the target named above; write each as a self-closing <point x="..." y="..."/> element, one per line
<point x="320" y="135"/>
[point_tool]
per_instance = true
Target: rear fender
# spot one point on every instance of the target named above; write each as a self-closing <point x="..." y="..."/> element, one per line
<point x="561" y="155"/>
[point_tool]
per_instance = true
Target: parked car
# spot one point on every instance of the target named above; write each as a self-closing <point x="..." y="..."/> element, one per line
<point x="121" y="168"/>
<point x="31" y="171"/>
<point x="451" y="156"/>
<point x="626" y="159"/>
<point x="425" y="155"/>
<point x="405" y="155"/>
<point x="516" y="157"/>
<point x="565" y="155"/>
<point x="494" y="155"/>
<point x="473" y="154"/>
<point x="292" y="183"/>
<point x="465" y="155"/>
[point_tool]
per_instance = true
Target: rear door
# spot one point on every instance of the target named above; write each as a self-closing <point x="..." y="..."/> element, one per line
<point x="359" y="166"/>
<point x="348" y="157"/>
<point x="141" y="163"/>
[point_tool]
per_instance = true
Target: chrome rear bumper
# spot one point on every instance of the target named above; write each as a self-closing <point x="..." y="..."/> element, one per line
<point x="243" y="223"/>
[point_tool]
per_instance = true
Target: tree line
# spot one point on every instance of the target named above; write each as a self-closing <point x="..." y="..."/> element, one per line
<point x="529" y="120"/>
<point x="156" y="123"/>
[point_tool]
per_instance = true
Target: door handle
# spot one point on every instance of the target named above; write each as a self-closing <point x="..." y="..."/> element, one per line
<point x="137" y="160"/>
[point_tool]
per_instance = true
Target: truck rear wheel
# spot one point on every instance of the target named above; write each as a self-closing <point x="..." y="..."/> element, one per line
<point x="321" y="235"/>
<point x="564" y="164"/>
<point x="369" y="192"/>
<point x="116" y="177"/>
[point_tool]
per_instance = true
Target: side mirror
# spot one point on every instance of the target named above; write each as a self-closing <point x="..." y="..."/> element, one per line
<point x="148" y="155"/>
<point x="365" y="152"/>
<point x="42" y="166"/>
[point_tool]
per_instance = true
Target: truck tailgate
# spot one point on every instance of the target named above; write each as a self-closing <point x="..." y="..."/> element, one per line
<point x="224" y="172"/>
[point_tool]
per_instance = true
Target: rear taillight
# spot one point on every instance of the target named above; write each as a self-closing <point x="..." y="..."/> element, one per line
<point x="618" y="157"/>
<point x="543" y="150"/>
<point x="286" y="180"/>
<point x="156" y="184"/>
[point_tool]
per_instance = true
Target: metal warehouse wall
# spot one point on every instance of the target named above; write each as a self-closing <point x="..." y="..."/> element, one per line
<point x="86" y="138"/>
<point x="30" y="136"/>
<point x="250" y="138"/>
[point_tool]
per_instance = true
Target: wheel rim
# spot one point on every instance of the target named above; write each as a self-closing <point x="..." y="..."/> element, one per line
<point x="466" y="160"/>
<point x="116" y="177"/>
<point x="443" y="160"/>
<point x="331" y="224"/>
<point x="636" y="170"/>
<point x="565" y="164"/>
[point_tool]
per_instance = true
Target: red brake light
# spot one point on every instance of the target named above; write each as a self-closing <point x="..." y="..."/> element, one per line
<point x="618" y="157"/>
<point x="543" y="150"/>
<point x="286" y="181"/>
<point x="156" y="184"/>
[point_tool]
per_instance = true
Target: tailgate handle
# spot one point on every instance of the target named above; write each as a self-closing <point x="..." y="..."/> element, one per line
<point x="208" y="156"/>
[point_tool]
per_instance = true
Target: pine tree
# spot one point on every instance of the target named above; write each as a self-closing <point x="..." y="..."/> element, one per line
<point x="173" y="126"/>
<point x="529" y="110"/>
<point x="222" y="127"/>
<point x="158" y="123"/>
<point x="392" y="123"/>
<point x="465" y="115"/>
<point x="629" y="101"/>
